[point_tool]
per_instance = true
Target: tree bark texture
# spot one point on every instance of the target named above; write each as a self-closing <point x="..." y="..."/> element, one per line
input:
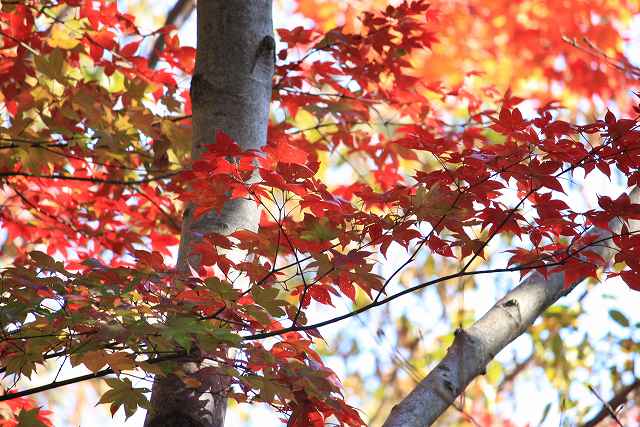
<point x="231" y="92"/>
<point x="473" y="348"/>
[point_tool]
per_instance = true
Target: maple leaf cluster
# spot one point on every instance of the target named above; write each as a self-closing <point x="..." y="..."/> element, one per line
<point x="98" y="170"/>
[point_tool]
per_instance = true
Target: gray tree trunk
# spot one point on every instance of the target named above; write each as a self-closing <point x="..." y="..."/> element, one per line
<point x="473" y="348"/>
<point x="230" y="91"/>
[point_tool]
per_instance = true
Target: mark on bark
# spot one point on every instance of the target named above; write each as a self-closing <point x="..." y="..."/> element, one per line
<point x="513" y="304"/>
<point x="266" y="49"/>
<point x="449" y="386"/>
<point x="199" y="88"/>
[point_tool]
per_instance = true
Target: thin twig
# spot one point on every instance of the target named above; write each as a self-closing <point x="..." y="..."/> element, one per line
<point x="91" y="179"/>
<point x="178" y="15"/>
<point x="609" y="407"/>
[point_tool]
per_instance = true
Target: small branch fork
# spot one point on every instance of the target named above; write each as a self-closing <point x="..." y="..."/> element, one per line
<point x="609" y="407"/>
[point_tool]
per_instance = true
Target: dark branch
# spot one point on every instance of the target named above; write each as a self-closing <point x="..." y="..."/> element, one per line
<point x="526" y="267"/>
<point x="99" y="374"/>
<point x="56" y="384"/>
<point x="510" y="377"/>
<point x="90" y="179"/>
<point x="608" y="409"/>
<point x="620" y="396"/>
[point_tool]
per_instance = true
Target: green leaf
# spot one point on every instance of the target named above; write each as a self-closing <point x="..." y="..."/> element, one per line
<point x="222" y="288"/>
<point x="29" y="418"/>
<point x="619" y="318"/>
<point x="51" y="65"/>
<point x="222" y="334"/>
<point x="266" y="298"/>
<point x="23" y="363"/>
<point x="42" y="259"/>
<point x="181" y="330"/>
<point x="257" y="313"/>
<point x="545" y="413"/>
<point x="320" y="231"/>
<point x="123" y="393"/>
<point x="45" y="261"/>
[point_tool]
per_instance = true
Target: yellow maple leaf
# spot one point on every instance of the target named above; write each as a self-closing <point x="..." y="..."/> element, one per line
<point x="65" y="36"/>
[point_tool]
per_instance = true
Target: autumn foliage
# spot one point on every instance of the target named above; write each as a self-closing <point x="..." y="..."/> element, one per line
<point x="430" y="142"/>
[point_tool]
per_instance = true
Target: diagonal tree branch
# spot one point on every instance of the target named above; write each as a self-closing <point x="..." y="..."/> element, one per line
<point x="525" y="267"/>
<point x="473" y="348"/>
<point x="618" y="399"/>
<point x="511" y="376"/>
<point x="94" y="375"/>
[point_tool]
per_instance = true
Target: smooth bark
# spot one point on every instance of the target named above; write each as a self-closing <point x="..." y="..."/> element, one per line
<point x="230" y="91"/>
<point x="473" y="348"/>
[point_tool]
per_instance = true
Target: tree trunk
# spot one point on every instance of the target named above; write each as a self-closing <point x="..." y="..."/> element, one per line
<point x="473" y="348"/>
<point x="230" y="91"/>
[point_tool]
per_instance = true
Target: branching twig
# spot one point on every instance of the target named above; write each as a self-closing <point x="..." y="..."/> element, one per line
<point x="177" y="16"/>
<point x="526" y="267"/>
<point x="99" y="374"/>
<point x="609" y="408"/>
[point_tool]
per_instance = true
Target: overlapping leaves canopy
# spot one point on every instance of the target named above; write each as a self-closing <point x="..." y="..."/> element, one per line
<point x="439" y="157"/>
